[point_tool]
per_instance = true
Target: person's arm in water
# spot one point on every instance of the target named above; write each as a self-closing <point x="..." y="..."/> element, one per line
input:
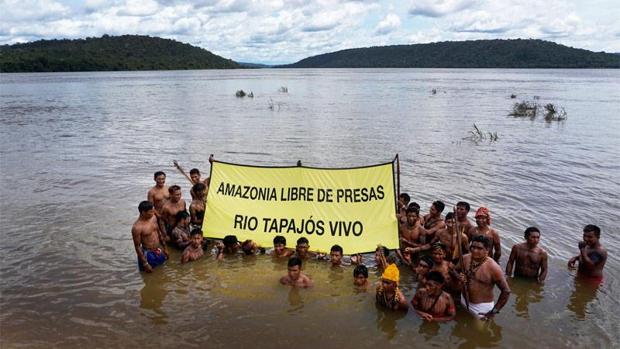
<point x="543" y="268"/>
<point x="497" y="247"/>
<point x="137" y="243"/>
<point x="511" y="261"/>
<point x="500" y="281"/>
<point x="415" y="303"/>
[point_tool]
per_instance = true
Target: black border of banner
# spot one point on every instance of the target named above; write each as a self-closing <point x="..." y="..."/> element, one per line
<point x="315" y="168"/>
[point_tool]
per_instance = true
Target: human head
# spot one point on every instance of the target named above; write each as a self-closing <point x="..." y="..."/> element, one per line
<point x="483" y="216"/>
<point x="196" y="238"/>
<point x="302" y="247"/>
<point x="175" y="193"/>
<point x="360" y="275"/>
<point x="335" y="255"/>
<point x="413" y="214"/>
<point x="279" y="244"/>
<point x="414" y="204"/>
<point x="434" y="282"/>
<point x="462" y="209"/>
<point x="532" y="236"/>
<point x="194" y="175"/>
<point x="199" y="189"/>
<point x="450" y="221"/>
<point x="182" y="217"/>
<point x="425" y="264"/>
<point x="390" y="277"/>
<point x="231" y="243"/>
<point x="381" y="250"/>
<point x="438" y="252"/>
<point x="404" y="199"/>
<point x="437" y="207"/>
<point x="479" y="246"/>
<point x="294" y="268"/>
<point x="591" y="234"/>
<point x="249" y="247"/>
<point x="145" y="208"/>
<point x="160" y="178"/>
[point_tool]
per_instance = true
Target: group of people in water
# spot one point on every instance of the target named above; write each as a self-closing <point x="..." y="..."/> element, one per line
<point x="453" y="260"/>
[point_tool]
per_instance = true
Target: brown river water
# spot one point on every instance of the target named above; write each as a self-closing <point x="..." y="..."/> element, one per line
<point x="78" y="152"/>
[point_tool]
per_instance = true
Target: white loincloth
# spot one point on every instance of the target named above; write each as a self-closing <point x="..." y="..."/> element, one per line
<point x="478" y="309"/>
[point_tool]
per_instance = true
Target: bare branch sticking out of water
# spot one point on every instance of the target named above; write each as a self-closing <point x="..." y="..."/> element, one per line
<point x="524" y="109"/>
<point x="477" y="135"/>
<point x="273" y="106"/>
<point x="283" y="89"/>
<point x="240" y="93"/>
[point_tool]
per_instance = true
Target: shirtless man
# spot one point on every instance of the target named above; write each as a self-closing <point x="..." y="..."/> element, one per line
<point x="431" y="302"/>
<point x="529" y="260"/>
<point x="403" y="201"/>
<point x="301" y="249"/>
<point x="360" y="278"/>
<point x="197" y="207"/>
<point x="147" y="239"/>
<point x="295" y="277"/>
<point x="171" y="208"/>
<point x="592" y="256"/>
<point x="279" y="248"/>
<point x="479" y="275"/>
<point x="462" y="222"/>
<point x="483" y="222"/>
<point x="425" y="264"/>
<point x="449" y="239"/>
<point x="194" y="250"/>
<point x="433" y="221"/>
<point x="410" y="231"/>
<point x="388" y="294"/>
<point x="228" y="246"/>
<point x="194" y="177"/>
<point x="158" y="194"/>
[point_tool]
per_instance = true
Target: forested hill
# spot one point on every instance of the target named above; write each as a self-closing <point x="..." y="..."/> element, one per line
<point x="464" y="54"/>
<point x="127" y="52"/>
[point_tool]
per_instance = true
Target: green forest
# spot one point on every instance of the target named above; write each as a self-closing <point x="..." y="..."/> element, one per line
<point x="108" y="53"/>
<point x="464" y="54"/>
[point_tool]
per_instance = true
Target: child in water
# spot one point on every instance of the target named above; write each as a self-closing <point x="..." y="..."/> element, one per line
<point x="193" y="251"/>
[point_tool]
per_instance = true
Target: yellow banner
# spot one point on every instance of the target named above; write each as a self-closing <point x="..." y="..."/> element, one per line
<point x="353" y="207"/>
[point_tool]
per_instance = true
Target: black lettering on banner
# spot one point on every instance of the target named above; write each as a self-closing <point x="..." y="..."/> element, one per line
<point x="245" y="222"/>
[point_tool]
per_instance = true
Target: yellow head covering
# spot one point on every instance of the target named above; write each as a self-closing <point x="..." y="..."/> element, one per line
<point x="391" y="273"/>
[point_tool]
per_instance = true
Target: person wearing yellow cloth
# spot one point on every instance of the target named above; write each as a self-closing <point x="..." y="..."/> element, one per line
<point x="388" y="294"/>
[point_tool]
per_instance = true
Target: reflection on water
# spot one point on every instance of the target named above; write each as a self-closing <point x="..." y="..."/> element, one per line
<point x="387" y="320"/>
<point x="153" y="294"/>
<point x="477" y="333"/>
<point x="584" y="293"/>
<point x="526" y="292"/>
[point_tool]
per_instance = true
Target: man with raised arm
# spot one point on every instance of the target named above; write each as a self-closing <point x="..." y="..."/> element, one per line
<point x="479" y="275"/>
<point x="592" y="256"/>
<point x="529" y="260"/>
<point x="147" y="239"/>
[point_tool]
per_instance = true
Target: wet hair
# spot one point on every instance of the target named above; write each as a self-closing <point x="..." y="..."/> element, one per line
<point x="337" y="248"/>
<point x="246" y="247"/>
<point x="194" y="171"/>
<point x="414" y="204"/>
<point x="438" y="246"/>
<point x="529" y="231"/>
<point x="450" y="215"/>
<point x="302" y="241"/>
<point x="293" y="261"/>
<point x="230" y="240"/>
<point x="158" y="173"/>
<point x="360" y="270"/>
<point x="439" y="205"/>
<point x="196" y="231"/>
<point x="406" y="198"/>
<point x="386" y="251"/>
<point x="482" y="239"/>
<point x="198" y="187"/>
<point x="591" y="228"/>
<point x="428" y="260"/>
<point x="279" y="240"/>
<point x="463" y="204"/>
<point x="173" y="188"/>
<point x="145" y="206"/>
<point x="435" y="276"/>
<point x="181" y="215"/>
<point x="413" y="209"/>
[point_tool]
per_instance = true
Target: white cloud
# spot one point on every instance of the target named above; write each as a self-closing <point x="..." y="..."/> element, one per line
<point x="31" y="10"/>
<point x="439" y="8"/>
<point x="138" y="8"/>
<point x="390" y="23"/>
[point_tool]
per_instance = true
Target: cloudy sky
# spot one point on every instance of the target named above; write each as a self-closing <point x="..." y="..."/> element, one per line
<point x="285" y="31"/>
